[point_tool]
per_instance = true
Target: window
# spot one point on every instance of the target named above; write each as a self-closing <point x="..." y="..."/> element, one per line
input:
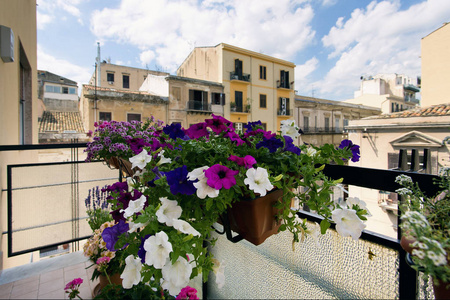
<point x="238" y="67"/>
<point x="218" y="98"/>
<point x="262" y="101"/>
<point x="238" y="100"/>
<point x="238" y="127"/>
<point x="72" y="90"/>
<point x="284" y="107"/>
<point x="133" y="117"/>
<point x="262" y="72"/>
<point x="305" y="123"/>
<point x="110" y="78"/>
<point x="53" y="89"/>
<point x="284" y="79"/>
<point x="336" y="124"/>
<point x="65" y="90"/>
<point x="176" y="93"/>
<point x="327" y="124"/>
<point x="126" y="81"/>
<point x="198" y="100"/>
<point x="105" y="116"/>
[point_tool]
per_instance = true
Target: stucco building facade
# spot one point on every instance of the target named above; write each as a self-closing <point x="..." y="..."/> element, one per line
<point x="256" y="86"/>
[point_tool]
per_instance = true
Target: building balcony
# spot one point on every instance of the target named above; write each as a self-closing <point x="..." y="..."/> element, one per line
<point x="284" y="85"/>
<point x="323" y="130"/>
<point x="411" y="87"/>
<point x="240" y="109"/>
<point x="199" y="106"/>
<point x="240" y="76"/>
<point x="284" y="112"/>
<point x="331" y="267"/>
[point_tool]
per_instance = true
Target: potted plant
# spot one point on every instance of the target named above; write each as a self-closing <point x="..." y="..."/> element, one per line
<point x="426" y="223"/>
<point x="233" y="106"/>
<point x="188" y="179"/>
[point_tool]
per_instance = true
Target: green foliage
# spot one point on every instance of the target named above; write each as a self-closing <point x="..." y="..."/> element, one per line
<point x="138" y="292"/>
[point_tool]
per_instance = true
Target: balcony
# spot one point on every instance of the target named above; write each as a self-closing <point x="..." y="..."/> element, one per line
<point x="284" y="112"/>
<point x="323" y="130"/>
<point x="371" y="267"/>
<point x="240" y="108"/>
<point x="239" y="76"/>
<point x="284" y="85"/>
<point x="194" y="105"/>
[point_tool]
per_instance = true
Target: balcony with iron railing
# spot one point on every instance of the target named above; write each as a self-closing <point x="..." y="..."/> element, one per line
<point x="194" y="105"/>
<point x="240" y="76"/>
<point x="240" y="108"/>
<point x="333" y="267"/>
<point x="284" y="112"/>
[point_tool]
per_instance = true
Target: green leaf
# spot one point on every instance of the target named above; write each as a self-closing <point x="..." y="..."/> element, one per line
<point x="324" y="225"/>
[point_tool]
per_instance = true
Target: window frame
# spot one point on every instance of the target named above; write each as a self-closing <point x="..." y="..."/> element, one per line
<point x="135" y="114"/>
<point x="109" y="76"/>
<point x="126" y="81"/>
<point x="262" y="72"/>
<point x="261" y="100"/>
<point x="104" y="119"/>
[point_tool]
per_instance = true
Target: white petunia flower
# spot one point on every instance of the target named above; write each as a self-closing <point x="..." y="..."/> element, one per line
<point x="198" y="173"/>
<point x="176" y="276"/>
<point x="289" y="128"/>
<point x="203" y="189"/>
<point x="314" y="232"/>
<point x="185" y="227"/>
<point x="135" y="226"/>
<point x="131" y="275"/>
<point x="311" y="151"/>
<point x="134" y="206"/>
<point x="219" y="271"/>
<point x="157" y="249"/>
<point x="347" y="223"/>
<point x="356" y="201"/>
<point x="258" y="180"/>
<point x="163" y="160"/>
<point x="169" y="211"/>
<point x="140" y="160"/>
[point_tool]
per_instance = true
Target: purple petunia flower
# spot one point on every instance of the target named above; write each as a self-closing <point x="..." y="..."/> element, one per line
<point x="250" y="126"/>
<point x="272" y="144"/>
<point x="247" y="161"/>
<point x="137" y="144"/>
<point x="179" y="183"/>
<point x="290" y="145"/>
<point x="111" y="234"/>
<point x="220" y="176"/>
<point x="234" y="137"/>
<point x="141" y="252"/>
<point x="174" y="131"/>
<point x="219" y="124"/>
<point x="354" y="148"/>
<point x="198" y="130"/>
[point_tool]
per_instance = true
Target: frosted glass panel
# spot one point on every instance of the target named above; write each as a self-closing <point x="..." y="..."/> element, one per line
<point x="336" y="268"/>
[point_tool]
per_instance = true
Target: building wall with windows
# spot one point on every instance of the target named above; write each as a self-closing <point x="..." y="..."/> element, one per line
<point x="18" y="99"/>
<point x="256" y="86"/>
<point x="121" y="77"/>
<point x="390" y="92"/>
<point x="435" y="56"/>
<point x="57" y="92"/>
<point x="325" y="121"/>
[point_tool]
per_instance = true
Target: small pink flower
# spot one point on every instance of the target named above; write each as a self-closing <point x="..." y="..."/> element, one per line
<point x="187" y="293"/>
<point x="248" y="161"/>
<point x="103" y="260"/>
<point x="220" y="176"/>
<point x="74" y="284"/>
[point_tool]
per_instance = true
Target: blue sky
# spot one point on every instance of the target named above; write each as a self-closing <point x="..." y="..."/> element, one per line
<point x="332" y="42"/>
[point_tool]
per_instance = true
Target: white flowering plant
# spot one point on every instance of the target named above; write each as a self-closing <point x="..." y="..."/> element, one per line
<point x="186" y="179"/>
<point x="426" y="221"/>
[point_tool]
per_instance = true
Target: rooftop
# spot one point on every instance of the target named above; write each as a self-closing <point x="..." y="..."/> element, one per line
<point x="61" y="121"/>
<point x="430" y="111"/>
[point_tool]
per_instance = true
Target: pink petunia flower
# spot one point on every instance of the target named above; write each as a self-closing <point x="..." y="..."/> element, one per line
<point x="220" y="177"/>
<point x="74" y="284"/>
<point x="219" y="124"/>
<point x="247" y="161"/>
<point x="187" y="293"/>
<point x="196" y="131"/>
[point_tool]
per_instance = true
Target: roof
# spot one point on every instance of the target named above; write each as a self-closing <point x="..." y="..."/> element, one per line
<point x="61" y="121"/>
<point x="89" y="87"/>
<point x="313" y="100"/>
<point x="51" y="77"/>
<point x="193" y="80"/>
<point x="430" y="111"/>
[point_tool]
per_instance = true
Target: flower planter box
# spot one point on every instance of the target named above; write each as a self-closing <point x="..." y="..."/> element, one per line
<point x="254" y="219"/>
<point x="103" y="281"/>
<point x="121" y="164"/>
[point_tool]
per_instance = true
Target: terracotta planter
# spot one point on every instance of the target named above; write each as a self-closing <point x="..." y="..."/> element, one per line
<point x="115" y="279"/>
<point x="254" y="219"/>
<point x="406" y="242"/>
<point x="120" y="163"/>
<point x="441" y="291"/>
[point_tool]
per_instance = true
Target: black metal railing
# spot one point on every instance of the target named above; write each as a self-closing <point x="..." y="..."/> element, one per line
<point x="320" y="130"/>
<point x="199" y="105"/>
<point x="283" y="85"/>
<point x="240" y="76"/>
<point x="284" y="112"/>
<point x="240" y="109"/>
<point x="45" y="197"/>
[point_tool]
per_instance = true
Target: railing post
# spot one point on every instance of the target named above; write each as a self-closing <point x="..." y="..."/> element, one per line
<point x="415" y="163"/>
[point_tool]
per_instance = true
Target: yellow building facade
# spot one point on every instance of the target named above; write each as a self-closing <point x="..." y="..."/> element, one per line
<point x="436" y="66"/>
<point x="256" y="86"/>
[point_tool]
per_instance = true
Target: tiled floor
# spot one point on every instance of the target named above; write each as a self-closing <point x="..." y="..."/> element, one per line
<point x="39" y="281"/>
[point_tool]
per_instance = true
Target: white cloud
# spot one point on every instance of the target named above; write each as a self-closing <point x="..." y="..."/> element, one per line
<point x="49" y="10"/>
<point x="42" y="20"/>
<point x="62" y="67"/>
<point x="379" y="39"/>
<point x="302" y="81"/>
<point x="171" y="29"/>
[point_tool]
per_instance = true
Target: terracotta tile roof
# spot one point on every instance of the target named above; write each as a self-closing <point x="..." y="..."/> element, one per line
<point x="430" y="111"/>
<point x="61" y="121"/>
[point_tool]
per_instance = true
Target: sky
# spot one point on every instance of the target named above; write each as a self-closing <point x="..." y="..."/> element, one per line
<point x="332" y="42"/>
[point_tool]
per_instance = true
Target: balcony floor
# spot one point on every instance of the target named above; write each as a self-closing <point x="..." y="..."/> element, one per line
<point x="47" y="278"/>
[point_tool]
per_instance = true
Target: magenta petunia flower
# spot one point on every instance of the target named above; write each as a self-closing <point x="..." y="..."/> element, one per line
<point x="234" y="137"/>
<point x="219" y="124"/>
<point x="220" y="177"/>
<point x="247" y="161"/>
<point x="187" y="293"/>
<point x="198" y="130"/>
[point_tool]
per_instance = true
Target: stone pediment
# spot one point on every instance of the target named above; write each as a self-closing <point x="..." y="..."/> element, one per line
<point x="416" y="139"/>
